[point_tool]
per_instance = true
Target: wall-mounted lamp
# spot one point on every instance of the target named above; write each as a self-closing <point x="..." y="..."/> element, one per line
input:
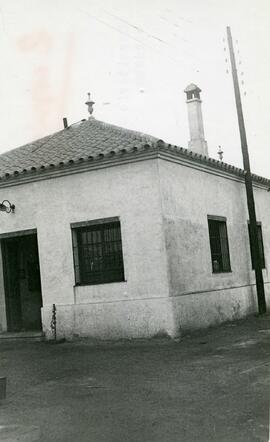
<point x="7" y="207"/>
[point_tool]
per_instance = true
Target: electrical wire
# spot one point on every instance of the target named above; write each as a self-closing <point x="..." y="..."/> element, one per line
<point x="105" y="23"/>
<point x="148" y="34"/>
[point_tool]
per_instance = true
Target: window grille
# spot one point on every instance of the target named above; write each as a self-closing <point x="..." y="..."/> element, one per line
<point x="97" y="251"/>
<point x="219" y="245"/>
<point x="261" y="248"/>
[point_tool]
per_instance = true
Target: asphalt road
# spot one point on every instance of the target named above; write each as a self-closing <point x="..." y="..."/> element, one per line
<point x="210" y="386"/>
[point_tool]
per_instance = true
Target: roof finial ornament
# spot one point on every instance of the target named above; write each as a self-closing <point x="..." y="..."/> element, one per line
<point x="89" y="103"/>
<point x="220" y="153"/>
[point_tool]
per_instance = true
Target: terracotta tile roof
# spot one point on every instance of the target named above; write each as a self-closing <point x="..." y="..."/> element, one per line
<point x="80" y="140"/>
<point x="91" y="140"/>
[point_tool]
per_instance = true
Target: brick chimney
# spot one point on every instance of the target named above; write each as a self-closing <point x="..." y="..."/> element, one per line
<point x="197" y="142"/>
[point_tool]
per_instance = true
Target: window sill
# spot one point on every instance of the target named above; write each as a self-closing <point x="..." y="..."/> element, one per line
<point x="99" y="283"/>
<point x="222" y="272"/>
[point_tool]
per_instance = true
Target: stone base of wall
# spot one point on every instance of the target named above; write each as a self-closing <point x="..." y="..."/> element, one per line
<point x="112" y="320"/>
<point x="206" y="309"/>
<point x="148" y="318"/>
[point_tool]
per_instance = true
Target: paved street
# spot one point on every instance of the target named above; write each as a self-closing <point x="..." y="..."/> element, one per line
<point x="211" y="386"/>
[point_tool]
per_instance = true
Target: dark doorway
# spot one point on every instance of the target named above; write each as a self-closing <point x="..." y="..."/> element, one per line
<point x="22" y="283"/>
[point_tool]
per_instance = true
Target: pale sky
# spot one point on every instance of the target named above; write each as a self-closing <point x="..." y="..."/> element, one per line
<point x="136" y="57"/>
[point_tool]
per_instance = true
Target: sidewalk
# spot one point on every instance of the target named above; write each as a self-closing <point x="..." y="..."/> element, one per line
<point x="211" y="386"/>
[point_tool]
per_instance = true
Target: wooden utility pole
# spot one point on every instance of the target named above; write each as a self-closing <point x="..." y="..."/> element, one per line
<point x="248" y="181"/>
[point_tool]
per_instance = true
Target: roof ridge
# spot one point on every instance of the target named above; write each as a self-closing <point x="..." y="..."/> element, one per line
<point x="31" y="143"/>
<point x="125" y="130"/>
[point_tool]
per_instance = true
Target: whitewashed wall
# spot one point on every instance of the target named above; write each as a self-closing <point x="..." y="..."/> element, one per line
<point x="137" y="307"/>
<point x="163" y="208"/>
<point x="201" y="297"/>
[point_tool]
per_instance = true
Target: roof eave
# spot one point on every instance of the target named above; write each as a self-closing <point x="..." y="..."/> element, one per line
<point x="158" y="150"/>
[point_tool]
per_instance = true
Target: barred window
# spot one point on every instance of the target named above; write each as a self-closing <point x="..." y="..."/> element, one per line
<point x="261" y="248"/>
<point x="219" y="244"/>
<point x="97" y="251"/>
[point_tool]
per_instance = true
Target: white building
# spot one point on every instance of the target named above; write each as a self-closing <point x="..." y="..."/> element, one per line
<point x="128" y="236"/>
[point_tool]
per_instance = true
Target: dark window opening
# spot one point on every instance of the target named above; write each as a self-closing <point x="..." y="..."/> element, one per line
<point x="97" y="250"/>
<point x="219" y="246"/>
<point x="193" y="94"/>
<point x="261" y="248"/>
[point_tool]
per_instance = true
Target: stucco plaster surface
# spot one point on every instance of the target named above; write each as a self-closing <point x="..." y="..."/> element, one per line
<point x="163" y="208"/>
<point x="188" y="197"/>
<point x="130" y="192"/>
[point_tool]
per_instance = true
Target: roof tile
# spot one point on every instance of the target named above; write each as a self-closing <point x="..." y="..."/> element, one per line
<point x="92" y="140"/>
